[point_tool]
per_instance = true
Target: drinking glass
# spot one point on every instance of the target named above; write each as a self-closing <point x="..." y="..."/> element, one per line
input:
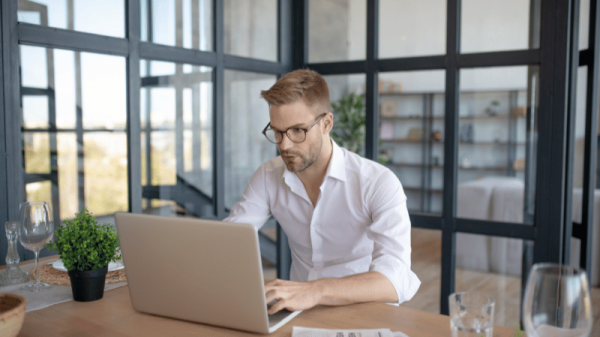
<point x="36" y="230"/>
<point x="471" y="314"/>
<point x="557" y="302"/>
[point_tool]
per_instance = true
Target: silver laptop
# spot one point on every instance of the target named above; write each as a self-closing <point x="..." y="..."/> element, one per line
<point x="196" y="270"/>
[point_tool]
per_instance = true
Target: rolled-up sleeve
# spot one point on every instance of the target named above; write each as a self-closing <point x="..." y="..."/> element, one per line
<point x="254" y="207"/>
<point x="390" y="232"/>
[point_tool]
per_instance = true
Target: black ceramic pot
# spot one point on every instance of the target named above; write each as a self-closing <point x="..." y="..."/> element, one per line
<point x="88" y="285"/>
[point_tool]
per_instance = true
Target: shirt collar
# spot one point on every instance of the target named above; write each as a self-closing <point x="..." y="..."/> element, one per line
<point x="336" y="168"/>
<point x="337" y="164"/>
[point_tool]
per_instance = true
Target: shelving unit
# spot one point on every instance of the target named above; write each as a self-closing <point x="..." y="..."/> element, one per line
<point x="482" y="110"/>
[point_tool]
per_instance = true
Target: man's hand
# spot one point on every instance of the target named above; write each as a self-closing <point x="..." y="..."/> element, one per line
<point x="292" y="295"/>
<point x="366" y="287"/>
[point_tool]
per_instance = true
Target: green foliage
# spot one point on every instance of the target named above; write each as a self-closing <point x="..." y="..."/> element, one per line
<point x="518" y="332"/>
<point x="83" y="244"/>
<point x="349" y="125"/>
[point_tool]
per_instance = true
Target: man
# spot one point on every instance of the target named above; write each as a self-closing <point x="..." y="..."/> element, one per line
<point x="345" y="216"/>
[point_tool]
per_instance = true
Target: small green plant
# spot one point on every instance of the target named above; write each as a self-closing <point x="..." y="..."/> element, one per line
<point x="83" y="244"/>
<point x="518" y="331"/>
<point x="349" y="127"/>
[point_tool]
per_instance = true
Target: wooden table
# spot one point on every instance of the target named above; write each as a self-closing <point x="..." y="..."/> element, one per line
<point x="113" y="315"/>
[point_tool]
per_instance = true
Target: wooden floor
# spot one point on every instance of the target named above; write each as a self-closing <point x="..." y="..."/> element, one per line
<point x="426" y="261"/>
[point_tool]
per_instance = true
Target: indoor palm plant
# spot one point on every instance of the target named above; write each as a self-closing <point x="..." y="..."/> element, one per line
<point x="349" y="126"/>
<point x="86" y="248"/>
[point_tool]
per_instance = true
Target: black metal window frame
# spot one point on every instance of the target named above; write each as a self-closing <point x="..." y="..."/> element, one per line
<point x="15" y="33"/>
<point x="557" y="50"/>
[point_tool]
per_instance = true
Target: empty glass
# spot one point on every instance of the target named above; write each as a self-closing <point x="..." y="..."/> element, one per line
<point x="557" y="302"/>
<point x="471" y="314"/>
<point x="36" y="229"/>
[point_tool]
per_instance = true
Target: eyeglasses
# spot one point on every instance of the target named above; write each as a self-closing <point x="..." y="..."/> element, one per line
<point x="295" y="134"/>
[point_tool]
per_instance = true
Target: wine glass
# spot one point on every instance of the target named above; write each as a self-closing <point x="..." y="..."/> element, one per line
<point x="557" y="302"/>
<point x="36" y="229"/>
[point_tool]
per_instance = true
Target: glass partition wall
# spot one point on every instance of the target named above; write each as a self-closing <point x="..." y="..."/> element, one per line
<point x="465" y="101"/>
<point x="457" y="106"/>
<point x="157" y="112"/>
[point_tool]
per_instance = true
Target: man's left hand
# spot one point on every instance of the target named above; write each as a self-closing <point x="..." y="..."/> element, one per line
<point x="292" y="296"/>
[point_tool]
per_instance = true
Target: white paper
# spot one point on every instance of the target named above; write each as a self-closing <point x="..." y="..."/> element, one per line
<point x="314" y="332"/>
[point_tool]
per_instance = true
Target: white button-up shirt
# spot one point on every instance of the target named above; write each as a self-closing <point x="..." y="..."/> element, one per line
<point x="360" y="222"/>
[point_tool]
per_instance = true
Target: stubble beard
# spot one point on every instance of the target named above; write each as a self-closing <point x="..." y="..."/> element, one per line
<point x="307" y="160"/>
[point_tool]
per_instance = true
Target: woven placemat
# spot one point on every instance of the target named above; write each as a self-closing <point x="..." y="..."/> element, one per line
<point x="58" y="277"/>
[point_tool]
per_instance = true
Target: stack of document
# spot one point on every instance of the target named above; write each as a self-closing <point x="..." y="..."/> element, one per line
<point x="313" y="332"/>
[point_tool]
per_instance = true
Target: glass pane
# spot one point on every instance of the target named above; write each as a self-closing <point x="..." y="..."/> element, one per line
<point x="344" y="90"/>
<point x="181" y="23"/>
<point x="105" y="171"/>
<point x="106" y="17"/>
<point x="412" y="28"/>
<point x="492" y="266"/>
<point x="411" y="133"/>
<point x="90" y="167"/>
<point x="67" y="174"/>
<point x="251" y="28"/>
<point x="496" y="151"/>
<point x="39" y="191"/>
<point x="426" y="247"/>
<point x="489" y="25"/>
<point x="176" y="140"/>
<point x="35" y="111"/>
<point x="35" y="66"/>
<point x="36" y="146"/>
<point x="578" y="184"/>
<point x="103" y="76"/>
<point x="337" y="30"/>
<point x="246" y="115"/>
<point x="584" y="24"/>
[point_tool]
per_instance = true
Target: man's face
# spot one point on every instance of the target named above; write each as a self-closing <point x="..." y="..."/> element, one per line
<point x="297" y="156"/>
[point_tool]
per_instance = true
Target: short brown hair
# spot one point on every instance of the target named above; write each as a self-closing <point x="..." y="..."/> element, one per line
<point x="301" y="84"/>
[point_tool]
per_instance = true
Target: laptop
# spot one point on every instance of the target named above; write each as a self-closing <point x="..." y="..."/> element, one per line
<point x="196" y="270"/>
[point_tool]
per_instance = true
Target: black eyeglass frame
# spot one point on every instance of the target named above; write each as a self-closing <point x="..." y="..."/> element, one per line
<point x="264" y="131"/>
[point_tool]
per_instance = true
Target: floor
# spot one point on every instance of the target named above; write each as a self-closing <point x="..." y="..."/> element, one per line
<point x="426" y="260"/>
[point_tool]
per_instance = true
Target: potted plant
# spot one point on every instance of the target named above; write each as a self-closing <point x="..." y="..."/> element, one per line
<point x="86" y="248"/>
<point x="350" y="125"/>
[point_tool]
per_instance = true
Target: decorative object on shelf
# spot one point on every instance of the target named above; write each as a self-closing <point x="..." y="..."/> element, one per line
<point x="389" y="108"/>
<point x="497" y="134"/>
<point x="436" y="135"/>
<point x="415" y="134"/>
<point x="492" y="109"/>
<point x="385" y="156"/>
<point x="519" y="111"/>
<point x="390" y="87"/>
<point x="436" y="160"/>
<point x="86" y="248"/>
<point x="464" y="110"/>
<point x="465" y="161"/>
<point x="386" y="131"/>
<point x="12" y="274"/>
<point x="12" y="314"/>
<point x="519" y="165"/>
<point x="467" y="133"/>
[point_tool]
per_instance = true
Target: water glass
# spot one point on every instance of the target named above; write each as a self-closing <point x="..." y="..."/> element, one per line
<point x="36" y="230"/>
<point x="557" y="302"/>
<point x="471" y="314"/>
